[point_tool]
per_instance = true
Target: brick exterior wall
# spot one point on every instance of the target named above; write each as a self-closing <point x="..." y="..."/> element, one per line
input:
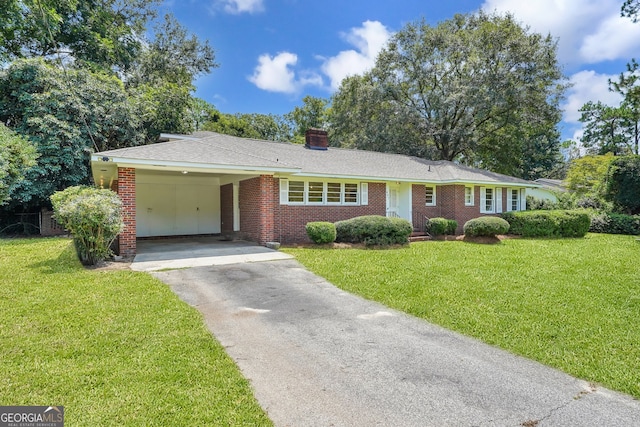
<point x="290" y="221"/>
<point x="258" y="201"/>
<point x="264" y="219"/>
<point x="226" y="208"/>
<point x="126" y="188"/>
<point x="449" y="204"/>
<point x="48" y="225"/>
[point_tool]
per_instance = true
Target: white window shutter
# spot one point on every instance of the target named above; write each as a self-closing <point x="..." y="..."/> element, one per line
<point x="498" y="200"/>
<point x="483" y="199"/>
<point x="523" y="199"/>
<point x="364" y="193"/>
<point x="284" y="191"/>
<point x="509" y="199"/>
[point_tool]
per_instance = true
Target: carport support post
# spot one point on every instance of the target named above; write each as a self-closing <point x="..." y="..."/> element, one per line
<point x="127" y="193"/>
<point x="267" y="200"/>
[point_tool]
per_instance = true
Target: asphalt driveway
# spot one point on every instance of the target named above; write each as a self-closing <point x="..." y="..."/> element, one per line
<point x="318" y="356"/>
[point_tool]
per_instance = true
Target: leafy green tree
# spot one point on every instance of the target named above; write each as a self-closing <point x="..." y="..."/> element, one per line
<point x="162" y="107"/>
<point x="172" y="56"/>
<point x="587" y="174"/>
<point x="93" y="216"/>
<point x="615" y="129"/>
<point x="622" y="184"/>
<point x="16" y="155"/>
<point x="603" y="129"/>
<point x="631" y="8"/>
<point x="361" y="117"/>
<point x="66" y="115"/>
<point x="162" y="81"/>
<point x="269" y="127"/>
<point x="471" y="87"/>
<point x="105" y="34"/>
<point x="628" y="85"/>
<point x="312" y="114"/>
<point x="200" y="112"/>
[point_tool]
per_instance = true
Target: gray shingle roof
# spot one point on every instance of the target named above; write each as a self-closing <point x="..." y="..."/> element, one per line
<point x="208" y="148"/>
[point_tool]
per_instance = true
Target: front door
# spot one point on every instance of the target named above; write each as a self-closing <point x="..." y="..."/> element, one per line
<point x="393" y="198"/>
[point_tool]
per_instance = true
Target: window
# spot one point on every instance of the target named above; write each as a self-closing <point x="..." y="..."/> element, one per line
<point x="430" y="195"/>
<point x="321" y="193"/>
<point x="515" y="200"/>
<point x="296" y="192"/>
<point x="468" y="196"/>
<point x="316" y="192"/>
<point x="334" y="190"/>
<point x="490" y="200"/>
<point x="350" y="193"/>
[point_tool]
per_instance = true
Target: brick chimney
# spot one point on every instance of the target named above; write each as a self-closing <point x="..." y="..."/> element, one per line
<point x="316" y="139"/>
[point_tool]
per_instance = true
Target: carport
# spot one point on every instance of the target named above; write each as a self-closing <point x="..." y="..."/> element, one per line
<point x="197" y="251"/>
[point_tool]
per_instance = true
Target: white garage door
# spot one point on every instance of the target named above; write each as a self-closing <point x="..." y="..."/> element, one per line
<point x="176" y="207"/>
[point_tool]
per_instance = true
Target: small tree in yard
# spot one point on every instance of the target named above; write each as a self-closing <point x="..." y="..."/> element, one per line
<point x="93" y="216"/>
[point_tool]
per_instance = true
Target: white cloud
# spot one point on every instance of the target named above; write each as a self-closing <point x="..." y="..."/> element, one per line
<point x="587" y="30"/>
<point x="276" y="74"/>
<point x="237" y="7"/>
<point x="369" y="39"/>
<point x="615" y="38"/>
<point x="588" y="86"/>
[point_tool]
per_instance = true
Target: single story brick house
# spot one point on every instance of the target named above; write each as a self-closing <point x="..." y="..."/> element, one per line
<point x="264" y="191"/>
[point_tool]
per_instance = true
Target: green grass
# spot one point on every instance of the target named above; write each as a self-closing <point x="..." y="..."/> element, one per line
<point x="569" y="303"/>
<point x="113" y="347"/>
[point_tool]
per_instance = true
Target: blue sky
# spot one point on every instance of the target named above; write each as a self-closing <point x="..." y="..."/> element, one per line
<point x="274" y="52"/>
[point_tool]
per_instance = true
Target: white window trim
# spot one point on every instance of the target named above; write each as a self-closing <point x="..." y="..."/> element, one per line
<point x="361" y="193"/>
<point x="284" y="193"/>
<point x="472" y="201"/>
<point x="306" y="194"/>
<point x="522" y="199"/>
<point x="496" y="202"/>
<point x="433" y="203"/>
<point x="483" y="200"/>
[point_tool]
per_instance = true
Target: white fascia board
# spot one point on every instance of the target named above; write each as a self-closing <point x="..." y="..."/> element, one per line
<point x="415" y="181"/>
<point x="359" y="178"/>
<point x="191" y="167"/>
<point x="491" y="183"/>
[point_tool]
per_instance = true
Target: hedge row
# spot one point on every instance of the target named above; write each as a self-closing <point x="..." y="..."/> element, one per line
<point x="374" y="230"/>
<point x="612" y="223"/>
<point x="559" y="223"/>
<point x="486" y="226"/>
<point x="441" y="226"/>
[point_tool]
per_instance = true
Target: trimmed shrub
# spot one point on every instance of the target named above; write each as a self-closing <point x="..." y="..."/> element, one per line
<point x="321" y="232"/>
<point x="558" y="223"/>
<point x="488" y="226"/>
<point x="437" y="226"/>
<point x="612" y="223"/>
<point x="441" y="226"/>
<point x="452" y="226"/>
<point x="374" y="230"/>
<point x="93" y="217"/>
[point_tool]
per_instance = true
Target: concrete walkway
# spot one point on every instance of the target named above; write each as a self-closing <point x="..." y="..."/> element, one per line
<point x="317" y="356"/>
<point x="163" y="254"/>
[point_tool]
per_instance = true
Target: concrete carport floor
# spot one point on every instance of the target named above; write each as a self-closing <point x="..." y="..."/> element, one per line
<point x="318" y="356"/>
<point x="162" y="254"/>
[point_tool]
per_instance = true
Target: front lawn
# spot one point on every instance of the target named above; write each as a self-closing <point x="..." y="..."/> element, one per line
<point x="112" y="347"/>
<point x="569" y="303"/>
